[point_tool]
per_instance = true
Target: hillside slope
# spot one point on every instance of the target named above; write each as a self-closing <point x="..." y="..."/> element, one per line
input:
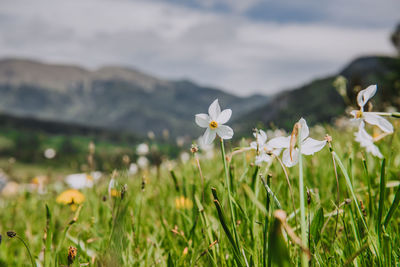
<point x="115" y="98"/>
<point x="319" y="101"/>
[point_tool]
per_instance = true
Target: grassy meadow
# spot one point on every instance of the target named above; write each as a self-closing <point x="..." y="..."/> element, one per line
<point x="181" y="215"/>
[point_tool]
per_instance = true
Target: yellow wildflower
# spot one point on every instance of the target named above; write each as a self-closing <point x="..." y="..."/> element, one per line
<point x="115" y="193"/>
<point x="71" y="197"/>
<point x="183" y="203"/>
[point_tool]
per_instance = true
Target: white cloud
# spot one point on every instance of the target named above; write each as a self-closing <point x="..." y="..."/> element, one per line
<point x="226" y="50"/>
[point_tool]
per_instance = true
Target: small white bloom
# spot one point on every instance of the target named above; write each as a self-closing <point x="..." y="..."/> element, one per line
<point x="82" y="180"/>
<point x="260" y="146"/>
<point x="133" y="168"/>
<point x="370" y="117"/>
<point x="214" y="123"/>
<point x="49" y="153"/>
<point x="142" y="149"/>
<point x="151" y="135"/>
<point x="264" y="149"/>
<point x="261" y="139"/>
<point x="185" y="157"/>
<point x="142" y="162"/>
<point x="290" y="155"/>
<point x="180" y="141"/>
<point x="367" y="141"/>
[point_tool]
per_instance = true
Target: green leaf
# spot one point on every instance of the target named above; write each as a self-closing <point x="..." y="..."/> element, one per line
<point x="316" y="226"/>
<point x="278" y="252"/>
<point x="393" y="207"/>
<point x="170" y="263"/>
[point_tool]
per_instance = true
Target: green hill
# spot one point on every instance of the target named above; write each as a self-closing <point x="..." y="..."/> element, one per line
<point x="319" y="101"/>
<point x="113" y="98"/>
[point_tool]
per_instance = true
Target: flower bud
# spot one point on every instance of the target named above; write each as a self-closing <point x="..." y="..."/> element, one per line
<point x="11" y="234"/>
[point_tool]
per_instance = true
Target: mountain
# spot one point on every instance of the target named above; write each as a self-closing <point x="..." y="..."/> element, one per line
<point x="320" y="102"/>
<point x="112" y="97"/>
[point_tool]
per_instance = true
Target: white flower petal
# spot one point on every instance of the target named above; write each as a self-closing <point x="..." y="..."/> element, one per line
<point x="209" y="136"/>
<point x="366" y="141"/>
<point x="304" y="129"/>
<point x="279" y="142"/>
<point x="374" y="150"/>
<point x="287" y="160"/>
<point x="365" y="95"/>
<point x="225" y="132"/>
<point x="379" y="121"/>
<point x="224" y="116"/>
<point x="262" y="158"/>
<point x="254" y="145"/>
<point x="277" y="152"/>
<point x="202" y="120"/>
<point x="310" y="146"/>
<point x="262" y="137"/>
<point x="363" y="137"/>
<point x="214" y="110"/>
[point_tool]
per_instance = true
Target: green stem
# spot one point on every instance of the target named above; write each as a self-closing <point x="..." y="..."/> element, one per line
<point x="337" y="191"/>
<point x="396" y="114"/>
<point x="229" y="193"/>
<point x="304" y="260"/>
<point x="27" y="248"/>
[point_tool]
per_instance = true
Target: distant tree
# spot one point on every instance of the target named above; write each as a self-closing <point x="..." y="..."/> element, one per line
<point x="396" y="38"/>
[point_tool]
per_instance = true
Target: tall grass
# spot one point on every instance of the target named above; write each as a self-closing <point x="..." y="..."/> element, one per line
<point x="236" y="223"/>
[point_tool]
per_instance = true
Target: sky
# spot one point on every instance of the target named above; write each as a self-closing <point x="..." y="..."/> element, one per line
<point x="241" y="46"/>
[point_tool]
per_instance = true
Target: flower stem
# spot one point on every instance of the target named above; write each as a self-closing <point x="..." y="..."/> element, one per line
<point x="396" y="114"/>
<point x="201" y="176"/>
<point x="229" y="193"/>
<point x="337" y="187"/>
<point x="304" y="259"/>
<point x="27" y="248"/>
<point x="290" y="188"/>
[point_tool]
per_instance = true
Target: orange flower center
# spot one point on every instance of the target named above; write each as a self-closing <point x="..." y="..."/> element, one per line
<point x="359" y="114"/>
<point x="213" y="125"/>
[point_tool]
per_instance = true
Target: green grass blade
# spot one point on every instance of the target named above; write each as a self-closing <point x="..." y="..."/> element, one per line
<point x="236" y="251"/>
<point x="392" y="208"/>
<point x="381" y="200"/>
<point x="271" y="194"/>
<point x="350" y="187"/>
<point x="316" y="225"/>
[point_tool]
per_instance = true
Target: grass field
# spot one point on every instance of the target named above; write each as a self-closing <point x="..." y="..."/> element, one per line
<point x="167" y="220"/>
<point x="328" y="201"/>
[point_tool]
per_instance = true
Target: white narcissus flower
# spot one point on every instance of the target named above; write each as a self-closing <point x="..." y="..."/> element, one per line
<point x="264" y="150"/>
<point x="290" y="155"/>
<point x="373" y="118"/>
<point x="214" y="123"/>
<point x="261" y="139"/>
<point x="260" y="146"/>
<point x="367" y="141"/>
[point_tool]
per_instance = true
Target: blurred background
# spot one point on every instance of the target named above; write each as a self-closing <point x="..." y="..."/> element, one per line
<point x="96" y="78"/>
